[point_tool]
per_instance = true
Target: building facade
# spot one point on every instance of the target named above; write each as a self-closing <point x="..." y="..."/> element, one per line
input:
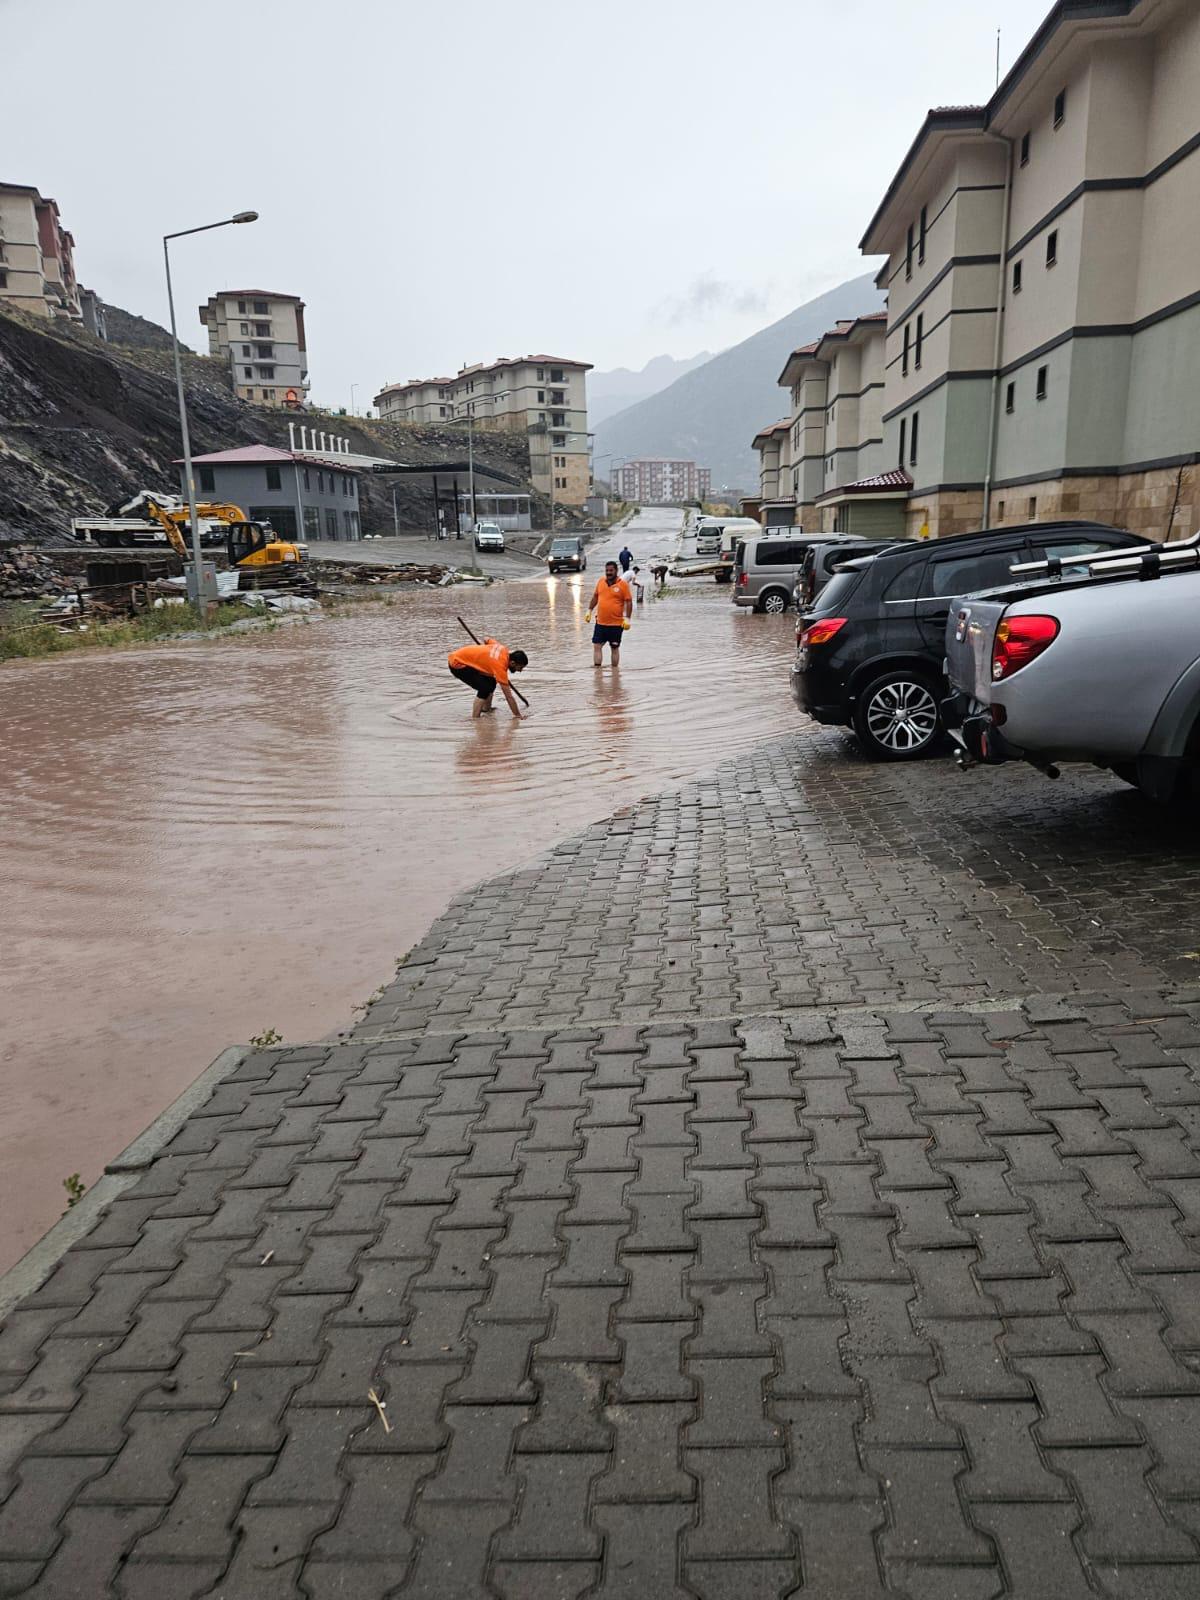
<point x="302" y="495"/>
<point x="37" y="255"/>
<point x="1043" y="278"/>
<point x="661" y="481"/>
<point x="776" y="500"/>
<point x="544" y="397"/>
<point x="260" y="334"/>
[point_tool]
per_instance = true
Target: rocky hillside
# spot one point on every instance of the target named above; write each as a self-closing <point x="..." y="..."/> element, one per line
<point x="84" y="424"/>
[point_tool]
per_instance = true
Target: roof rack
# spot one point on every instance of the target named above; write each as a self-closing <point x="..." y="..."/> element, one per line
<point x="1143" y="561"/>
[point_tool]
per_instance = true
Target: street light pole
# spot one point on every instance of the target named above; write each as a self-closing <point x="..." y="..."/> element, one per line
<point x="353" y="387"/>
<point x="195" y="588"/>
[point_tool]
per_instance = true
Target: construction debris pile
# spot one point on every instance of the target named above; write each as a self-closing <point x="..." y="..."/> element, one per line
<point x="28" y="575"/>
<point x="345" y="573"/>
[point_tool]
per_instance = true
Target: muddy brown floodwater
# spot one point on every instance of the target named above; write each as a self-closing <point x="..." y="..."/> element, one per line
<point x="204" y="841"/>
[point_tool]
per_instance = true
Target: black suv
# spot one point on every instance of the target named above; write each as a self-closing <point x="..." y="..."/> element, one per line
<point x="870" y="648"/>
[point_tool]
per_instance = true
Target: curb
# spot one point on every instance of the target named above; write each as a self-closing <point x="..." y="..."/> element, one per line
<point x="121" y="1173"/>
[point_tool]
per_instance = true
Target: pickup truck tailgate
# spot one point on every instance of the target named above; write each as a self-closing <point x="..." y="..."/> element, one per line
<point x="970" y="636"/>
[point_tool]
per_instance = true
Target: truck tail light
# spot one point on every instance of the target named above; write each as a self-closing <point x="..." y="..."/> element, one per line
<point x="1020" y="640"/>
<point x="821" y="632"/>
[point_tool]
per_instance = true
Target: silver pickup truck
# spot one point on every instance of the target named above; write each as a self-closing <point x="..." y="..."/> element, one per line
<point x="1100" y="665"/>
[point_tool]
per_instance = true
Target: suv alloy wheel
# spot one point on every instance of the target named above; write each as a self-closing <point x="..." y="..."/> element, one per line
<point x="896" y="716"/>
<point x="774" y="602"/>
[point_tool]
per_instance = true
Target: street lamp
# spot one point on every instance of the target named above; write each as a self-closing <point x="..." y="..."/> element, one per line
<point x="353" y="386"/>
<point x="196" y="589"/>
<point x="501" y="394"/>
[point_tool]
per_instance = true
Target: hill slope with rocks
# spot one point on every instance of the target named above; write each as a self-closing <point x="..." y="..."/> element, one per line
<point x="711" y="414"/>
<point x="85" y="423"/>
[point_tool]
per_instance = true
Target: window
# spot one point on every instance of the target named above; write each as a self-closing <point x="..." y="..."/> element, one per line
<point x="556" y="374"/>
<point x="247" y="372"/>
<point x="207" y="481"/>
<point x="1016" y="277"/>
<point x="312" y="522"/>
<point x="331" y="525"/>
<point x="244" y="329"/>
<point x="558" y="439"/>
<point x="965" y="574"/>
<point x="273" y="478"/>
<point x="1024" y="149"/>
<point x="906" y="585"/>
<point x="903" y="440"/>
<point x="921" y="238"/>
<point x="557" y="397"/>
<point x="1060" y="108"/>
<point x="1032" y="507"/>
<point x="541" y="397"/>
<point x="1000" y="511"/>
<point x="912" y="440"/>
<point x="1010" y="398"/>
<point x="262" y="330"/>
<point x="920" y="339"/>
<point x="348" y="519"/>
<point x="266" y="372"/>
<point x="779" y="553"/>
<point x="260" y="308"/>
<point x="246" y="350"/>
<point x="560" y="483"/>
<point x="307" y="483"/>
<point x="541" y="374"/>
<point x="908" y="254"/>
<point x="242" y="307"/>
<point x="904" y="353"/>
<point x="320" y="483"/>
<point x="1041" y="382"/>
<point x="1052" y="248"/>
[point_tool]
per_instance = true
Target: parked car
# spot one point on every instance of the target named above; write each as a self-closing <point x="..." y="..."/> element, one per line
<point x="567" y="555"/>
<point x="1101" y="666"/>
<point x="870" y="650"/>
<point x="766" y="568"/>
<point x="489" y="536"/>
<point x="824" y="555"/>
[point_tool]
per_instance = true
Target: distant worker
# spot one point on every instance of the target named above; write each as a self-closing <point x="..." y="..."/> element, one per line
<point x="626" y="559"/>
<point x="481" y="667"/>
<point x="639" y="588"/>
<point x="613" y="605"/>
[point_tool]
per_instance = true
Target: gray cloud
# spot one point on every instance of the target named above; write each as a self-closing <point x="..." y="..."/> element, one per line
<point x="708" y="295"/>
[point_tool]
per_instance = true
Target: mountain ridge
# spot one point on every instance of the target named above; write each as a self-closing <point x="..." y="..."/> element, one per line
<point x="711" y="413"/>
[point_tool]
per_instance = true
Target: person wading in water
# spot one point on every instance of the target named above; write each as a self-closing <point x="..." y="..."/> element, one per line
<point x="613" y="605"/>
<point x="481" y="667"/>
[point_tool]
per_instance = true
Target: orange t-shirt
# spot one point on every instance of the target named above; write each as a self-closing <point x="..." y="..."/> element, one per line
<point x="491" y="657"/>
<point x="610" y="602"/>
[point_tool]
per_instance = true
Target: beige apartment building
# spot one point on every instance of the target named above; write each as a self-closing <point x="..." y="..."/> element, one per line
<point x="544" y="397"/>
<point x="1043" y="281"/>
<point x="822" y="464"/>
<point x="260" y="334"/>
<point x="37" y="255"/>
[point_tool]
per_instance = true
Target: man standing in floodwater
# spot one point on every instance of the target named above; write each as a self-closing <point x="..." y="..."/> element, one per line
<point x="613" y="605"/>
<point x="626" y="560"/>
<point x="481" y="667"/>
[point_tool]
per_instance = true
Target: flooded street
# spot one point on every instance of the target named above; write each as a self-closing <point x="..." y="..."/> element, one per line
<point x="205" y="841"/>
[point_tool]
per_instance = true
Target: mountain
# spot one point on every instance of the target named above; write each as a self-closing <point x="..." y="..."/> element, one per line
<point x="710" y="415"/>
<point x="610" y="392"/>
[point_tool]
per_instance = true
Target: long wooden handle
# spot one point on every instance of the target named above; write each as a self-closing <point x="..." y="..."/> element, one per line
<point x="511" y="685"/>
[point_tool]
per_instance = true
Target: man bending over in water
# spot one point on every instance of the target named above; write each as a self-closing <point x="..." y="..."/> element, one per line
<point x="482" y="666"/>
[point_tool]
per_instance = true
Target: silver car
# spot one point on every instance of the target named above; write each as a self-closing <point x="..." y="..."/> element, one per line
<point x="765" y="570"/>
<point x="1101" y="666"/>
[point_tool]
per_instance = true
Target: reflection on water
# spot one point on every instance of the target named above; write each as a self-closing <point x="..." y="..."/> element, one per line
<point x="203" y="841"/>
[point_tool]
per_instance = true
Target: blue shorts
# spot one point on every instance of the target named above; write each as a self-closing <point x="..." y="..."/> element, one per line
<point x="612" y="636"/>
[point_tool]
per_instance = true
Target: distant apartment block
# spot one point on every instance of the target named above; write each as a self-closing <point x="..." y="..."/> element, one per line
<point x="37" y="263"/>
<point x="260" y="334"/>
<point x="544" y="397"/>
<point x="661" y="481"/>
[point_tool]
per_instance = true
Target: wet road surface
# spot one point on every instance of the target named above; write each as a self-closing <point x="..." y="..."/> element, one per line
<point x="204" y="841"/>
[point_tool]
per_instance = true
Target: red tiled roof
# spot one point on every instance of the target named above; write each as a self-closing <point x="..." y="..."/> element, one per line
<point x="266" y="294"/>
<point x="782" y="425"/>
<point x="256" y="454"/>
<point x="895" y="478"/>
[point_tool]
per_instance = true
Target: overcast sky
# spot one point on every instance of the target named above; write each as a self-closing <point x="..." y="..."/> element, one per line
<point x="452" y="182"/>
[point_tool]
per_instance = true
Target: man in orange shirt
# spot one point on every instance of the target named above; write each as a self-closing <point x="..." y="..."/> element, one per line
<point x="482" y="666"/>
<point x="613" y="605"/>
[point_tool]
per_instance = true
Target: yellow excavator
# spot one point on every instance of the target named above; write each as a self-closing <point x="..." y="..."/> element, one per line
<point x="261" y="558"/>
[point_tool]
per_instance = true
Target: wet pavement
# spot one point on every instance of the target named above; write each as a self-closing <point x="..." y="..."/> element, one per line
<point x="205" y="841"/>
<point x="786" y="1186"/>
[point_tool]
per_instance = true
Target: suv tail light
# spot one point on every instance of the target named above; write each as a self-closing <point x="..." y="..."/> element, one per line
<point x="743" y="579"/>
<point x="821" y="632"/>
<point x="1019" y="640"/>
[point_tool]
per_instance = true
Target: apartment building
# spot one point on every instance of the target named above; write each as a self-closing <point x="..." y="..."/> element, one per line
<point x="260" y="334"/>
<point x="421" y="400"/>
<point x="542" y="396"/>
<point x="820" y="466"/>
<point x="1043" y="278"/>
<point x="37" y="255"/>
<point x="661" y="481"/>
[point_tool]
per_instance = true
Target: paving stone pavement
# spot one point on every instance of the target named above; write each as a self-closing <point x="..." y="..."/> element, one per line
<point x="818" y="1284"/>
